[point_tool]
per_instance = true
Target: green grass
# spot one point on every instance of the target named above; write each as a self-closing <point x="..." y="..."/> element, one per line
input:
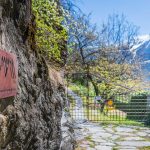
<point x="115" y="149"/>
<point x="126" y="122"/>
<point x="145" y="148"/>
<point x="81" y="90"/>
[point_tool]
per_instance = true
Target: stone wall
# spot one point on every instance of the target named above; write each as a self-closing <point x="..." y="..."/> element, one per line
<point x="31" y="120"/>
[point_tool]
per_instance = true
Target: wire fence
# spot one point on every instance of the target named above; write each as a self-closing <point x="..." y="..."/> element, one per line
<point x="119" y="108"/>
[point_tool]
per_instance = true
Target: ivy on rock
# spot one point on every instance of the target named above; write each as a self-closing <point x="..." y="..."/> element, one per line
<point x="50" y="33"/>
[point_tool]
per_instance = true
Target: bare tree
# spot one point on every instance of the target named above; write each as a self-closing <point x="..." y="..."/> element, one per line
<point x="82" y="42"/>
<point x="105" y="57"/>
<point x="117" y="38"/>
<point x="118" y="32"/>
<point x="83" y="37"/>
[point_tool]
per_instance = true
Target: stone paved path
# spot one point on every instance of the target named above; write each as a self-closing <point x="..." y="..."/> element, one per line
<point x="92" y="136"/>
<point x="78" y="110"/>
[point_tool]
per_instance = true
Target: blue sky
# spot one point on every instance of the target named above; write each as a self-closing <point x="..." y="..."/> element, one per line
<point x="136" y="11"/>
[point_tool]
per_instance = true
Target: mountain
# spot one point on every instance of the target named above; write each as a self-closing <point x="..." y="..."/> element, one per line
<point x="143" y="47"/>
<point x="142" y="50"/>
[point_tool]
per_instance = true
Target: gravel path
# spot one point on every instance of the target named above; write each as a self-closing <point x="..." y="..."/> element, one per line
<point x="92" y="136"/>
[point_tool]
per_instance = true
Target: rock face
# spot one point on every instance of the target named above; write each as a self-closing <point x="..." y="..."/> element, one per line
<point x="68" y="138"/>
<point x="31" y="120"/>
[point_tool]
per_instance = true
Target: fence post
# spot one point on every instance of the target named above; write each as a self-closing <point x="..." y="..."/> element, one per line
<point x="88" y="92"/>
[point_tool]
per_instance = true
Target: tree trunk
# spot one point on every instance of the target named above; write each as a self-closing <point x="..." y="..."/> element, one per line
<point x="94" y="85"/>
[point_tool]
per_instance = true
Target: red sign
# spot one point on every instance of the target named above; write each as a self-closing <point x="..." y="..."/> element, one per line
<point x="8" y="74"/>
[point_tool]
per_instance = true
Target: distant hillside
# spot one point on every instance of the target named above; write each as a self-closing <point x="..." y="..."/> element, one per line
<point x="142" y="50"/>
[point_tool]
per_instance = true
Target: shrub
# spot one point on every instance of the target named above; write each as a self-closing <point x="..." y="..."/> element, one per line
<point x="137" y="109"/>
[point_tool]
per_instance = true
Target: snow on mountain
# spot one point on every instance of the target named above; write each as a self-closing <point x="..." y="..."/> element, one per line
<point x="142" y="50"/>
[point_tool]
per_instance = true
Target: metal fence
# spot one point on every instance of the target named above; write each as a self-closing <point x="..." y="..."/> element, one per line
<point x="118" y="108"/>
